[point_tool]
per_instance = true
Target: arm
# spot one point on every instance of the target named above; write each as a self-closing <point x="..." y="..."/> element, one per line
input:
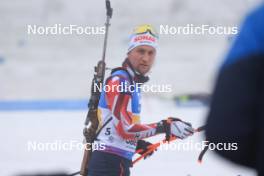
<point x="119" y="102"/>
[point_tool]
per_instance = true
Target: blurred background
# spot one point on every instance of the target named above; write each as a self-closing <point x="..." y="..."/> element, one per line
<point x="54" y="70"/>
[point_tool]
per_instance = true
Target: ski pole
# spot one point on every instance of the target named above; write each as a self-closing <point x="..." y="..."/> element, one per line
<point x="151" y="149"/>
<point x="200" y="158"/>
<point x="171" y="139"/>
<point x="155" y="146"/>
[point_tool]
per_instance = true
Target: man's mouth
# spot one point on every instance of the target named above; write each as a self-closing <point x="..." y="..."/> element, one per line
<point x="144" y="65"/>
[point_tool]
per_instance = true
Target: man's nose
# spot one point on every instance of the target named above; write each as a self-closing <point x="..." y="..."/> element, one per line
<point x="146" y="57"/>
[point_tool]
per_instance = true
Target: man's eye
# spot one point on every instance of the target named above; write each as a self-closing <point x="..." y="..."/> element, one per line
<point x="151" y="53"/>
<point x="141" y="51"/>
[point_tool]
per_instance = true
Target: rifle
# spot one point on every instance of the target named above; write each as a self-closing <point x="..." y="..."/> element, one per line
<point x="91" y="122"/>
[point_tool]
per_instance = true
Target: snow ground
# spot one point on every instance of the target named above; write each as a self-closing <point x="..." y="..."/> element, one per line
<point x="18" y="128"/>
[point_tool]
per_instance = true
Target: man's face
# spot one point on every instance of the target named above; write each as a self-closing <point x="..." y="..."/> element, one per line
<point x="142" y="58"/>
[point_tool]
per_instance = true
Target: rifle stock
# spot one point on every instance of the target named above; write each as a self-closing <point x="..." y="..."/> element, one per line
<point x="89" y="134"/>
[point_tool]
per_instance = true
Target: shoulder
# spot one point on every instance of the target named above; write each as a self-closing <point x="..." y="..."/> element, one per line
<point x="119" y="76"/>
<point x="250" y="38"/>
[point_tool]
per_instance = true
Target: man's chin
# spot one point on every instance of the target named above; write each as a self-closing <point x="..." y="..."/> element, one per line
<point x="143" y="72"/>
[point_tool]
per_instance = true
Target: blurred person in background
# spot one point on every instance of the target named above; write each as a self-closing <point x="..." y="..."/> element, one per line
<point x="237" y="109"/>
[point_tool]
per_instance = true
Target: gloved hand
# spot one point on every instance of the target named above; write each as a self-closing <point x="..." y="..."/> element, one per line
<point x="141" y="144"/>
<point x="175" y="127"/>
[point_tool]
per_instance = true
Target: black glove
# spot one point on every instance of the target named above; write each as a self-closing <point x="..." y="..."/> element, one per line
<point x="143" y="145"/>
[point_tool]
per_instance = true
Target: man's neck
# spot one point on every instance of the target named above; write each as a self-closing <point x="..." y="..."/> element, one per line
<point x="130" y="71"/>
